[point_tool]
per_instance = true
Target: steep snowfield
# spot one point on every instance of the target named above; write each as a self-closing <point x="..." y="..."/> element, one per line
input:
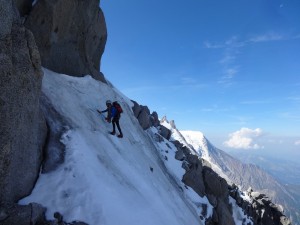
<point x="104" y="179"/>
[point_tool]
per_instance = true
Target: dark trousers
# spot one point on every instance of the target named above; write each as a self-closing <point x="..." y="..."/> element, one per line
<point x="115" y="122"/>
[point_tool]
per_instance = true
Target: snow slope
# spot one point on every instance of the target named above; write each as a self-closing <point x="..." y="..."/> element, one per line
<point x="106" y="180"/>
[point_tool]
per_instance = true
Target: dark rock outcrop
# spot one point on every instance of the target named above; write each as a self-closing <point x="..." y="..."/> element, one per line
<point x="154" y="121"/>
<point x="261" y="208"/>
<point x="24" y="6"/>
<point x="70" y="34"/>
<point x="23" y="214"/>
<point x="204" y="181"/>
<point x="32" y="214"/>
<point x="22" y="127"/>
<point x="142" y="113"/>
<point x="193" y="176"/>
<point x="165" y="132"/>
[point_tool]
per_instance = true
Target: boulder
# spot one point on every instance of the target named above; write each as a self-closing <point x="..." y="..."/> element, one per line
<point x="144" y="117"/>
<point x="165" y="132"/>
<point x="154" y="121"/>
<point x="179" y="155"/>
<point x="70" y="34"/>
<point x="177" y="144"/>
<point x="142" y="113"/>
<point x="22" y="128"/>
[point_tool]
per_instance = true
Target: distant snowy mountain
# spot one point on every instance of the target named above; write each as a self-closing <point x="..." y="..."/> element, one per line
<point x="244" y="175"/>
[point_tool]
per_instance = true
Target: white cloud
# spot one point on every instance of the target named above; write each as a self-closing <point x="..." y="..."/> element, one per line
<point x="231" y="49"/>
<point x="267" y="37"/>
<point x="228" y="58"/>
<point x="228" y="77"/>
<point x="297" y="142"/>
<point x="244" y="138"/>
<point x="255" y="102"/>
<point x="231" y="72"/>
<point x="213" y="46"/>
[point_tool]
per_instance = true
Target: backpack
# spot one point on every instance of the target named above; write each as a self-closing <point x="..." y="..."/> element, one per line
<point x="118" y="107"/>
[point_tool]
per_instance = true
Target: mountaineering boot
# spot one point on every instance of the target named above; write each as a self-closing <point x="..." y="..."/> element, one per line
<point x="120" y="135"/>
<point x="112" y="133"/>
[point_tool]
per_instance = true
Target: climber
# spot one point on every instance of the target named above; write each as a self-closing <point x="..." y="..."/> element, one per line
<point x="113" y="115"/>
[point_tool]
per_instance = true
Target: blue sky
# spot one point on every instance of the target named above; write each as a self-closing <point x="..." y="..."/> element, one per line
<point x="230" y="69"/>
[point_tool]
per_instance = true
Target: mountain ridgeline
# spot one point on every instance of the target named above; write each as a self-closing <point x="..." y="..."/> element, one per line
<point x="69" y="36"/>
<point x="244" y="175"/>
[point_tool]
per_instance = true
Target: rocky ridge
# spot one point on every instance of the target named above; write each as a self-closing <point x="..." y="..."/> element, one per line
<point x="206" y="182"/>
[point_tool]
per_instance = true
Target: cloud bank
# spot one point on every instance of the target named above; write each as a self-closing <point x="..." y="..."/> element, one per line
<point x="245" y="138"/>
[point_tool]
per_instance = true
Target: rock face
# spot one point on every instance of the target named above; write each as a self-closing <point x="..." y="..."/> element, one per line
<point x="205" y="181"/>
<point x="54" y="150"/>
<point x="27" y="214"/>
<point x="70" y="34"/>
<point x="24" y="6"/>
<point x="22" y="128"/>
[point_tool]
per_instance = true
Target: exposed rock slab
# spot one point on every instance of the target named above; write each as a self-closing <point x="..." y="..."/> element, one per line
<point x="70" y="34"/>
<point x="22" y="127"/>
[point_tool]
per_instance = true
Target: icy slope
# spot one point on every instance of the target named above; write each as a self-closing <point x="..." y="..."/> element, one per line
<point x="106" y="180"/>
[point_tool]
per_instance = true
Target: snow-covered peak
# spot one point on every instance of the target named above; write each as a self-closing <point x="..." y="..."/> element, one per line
<point x="201" y="146"/>
<point x="197" y="140"/>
